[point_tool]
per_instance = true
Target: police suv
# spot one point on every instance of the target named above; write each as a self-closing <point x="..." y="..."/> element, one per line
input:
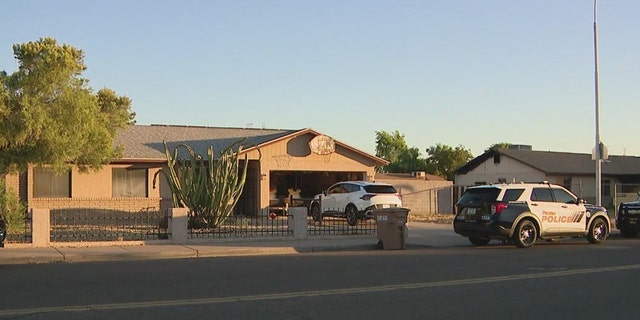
<point x="628" y="218"/>
<point x="522" y="213"/>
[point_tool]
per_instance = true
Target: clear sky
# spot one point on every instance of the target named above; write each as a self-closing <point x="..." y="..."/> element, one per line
<point x="455" y="72"/>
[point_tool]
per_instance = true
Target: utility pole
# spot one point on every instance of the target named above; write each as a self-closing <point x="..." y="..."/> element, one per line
<point x="598" y="145"/>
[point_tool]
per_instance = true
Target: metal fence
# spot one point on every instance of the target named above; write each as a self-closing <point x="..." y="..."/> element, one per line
<point x="339" y="226"/>
<point x="21" y="235"/>
<point x="77" y="225"/>
<point x="240" y="226"/>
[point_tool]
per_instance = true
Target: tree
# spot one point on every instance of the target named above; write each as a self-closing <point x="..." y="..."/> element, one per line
<point x="408" y="160"/>
<point x="49" y="114"/>
<point x="498" y="146"/>
<point x="443" y="160"/>
<point x="389" y="146"/>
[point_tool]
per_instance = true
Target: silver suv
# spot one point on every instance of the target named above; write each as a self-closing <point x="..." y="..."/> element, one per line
<point x="354" y="200"/>
<point x="522" y="213"/>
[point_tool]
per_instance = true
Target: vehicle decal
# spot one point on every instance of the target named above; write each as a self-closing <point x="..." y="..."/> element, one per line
<point x="550" y="216"/>
<point x="578" y="216"/>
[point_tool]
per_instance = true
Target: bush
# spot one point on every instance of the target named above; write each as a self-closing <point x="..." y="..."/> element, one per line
<point x="11" y="208"/>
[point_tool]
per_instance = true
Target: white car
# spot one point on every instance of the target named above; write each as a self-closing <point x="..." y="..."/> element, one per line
<point x="354" y="200"/>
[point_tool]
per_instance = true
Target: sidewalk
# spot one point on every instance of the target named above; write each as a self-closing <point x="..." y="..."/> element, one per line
<point x="420" y="236"/>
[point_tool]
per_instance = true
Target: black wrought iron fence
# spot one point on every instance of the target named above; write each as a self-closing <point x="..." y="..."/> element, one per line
<point x="71" y="225"/>
<point x="21" y="234"/>
<point x="240" y="226"/>
<point x="339" y="226"/>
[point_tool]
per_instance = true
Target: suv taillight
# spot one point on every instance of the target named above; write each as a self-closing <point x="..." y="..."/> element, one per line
<point x="366" y="197"/>
<point x="497" y="207"/>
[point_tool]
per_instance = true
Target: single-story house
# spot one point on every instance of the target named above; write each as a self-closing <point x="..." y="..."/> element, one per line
<point x="279" y="160"/>
<point x="575" y="171"/>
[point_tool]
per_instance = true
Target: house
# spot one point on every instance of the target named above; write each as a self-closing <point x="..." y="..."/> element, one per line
<point x="574" y="171"/>
<point x="303" y="160"/>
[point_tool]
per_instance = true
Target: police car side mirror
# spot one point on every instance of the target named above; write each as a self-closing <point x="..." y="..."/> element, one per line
<point x="580" y="201"/>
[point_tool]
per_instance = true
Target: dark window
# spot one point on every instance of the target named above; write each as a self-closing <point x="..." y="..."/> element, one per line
<point x="566" y="183"/>
<point x="512" y="194"/>
<point x="129" y="182"/>
<point x="478" y="196"/>
<point x="380" y="189"/>
<point x="541" y="194"/>
<point x="496" y="158"/>
<point x="339" y="188"/>
<point x="48" y="184"/>
<point x="352" y="187"/>
<point x="563" y="196"/>
<point x="502" y="180"/>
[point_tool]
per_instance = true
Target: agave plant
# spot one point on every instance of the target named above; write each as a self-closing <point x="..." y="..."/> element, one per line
<point x="209" y="187"/>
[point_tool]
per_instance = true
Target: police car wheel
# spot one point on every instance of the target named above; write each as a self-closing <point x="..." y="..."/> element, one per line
<point x="525" y="235"/>
<point x="597" y="231"/>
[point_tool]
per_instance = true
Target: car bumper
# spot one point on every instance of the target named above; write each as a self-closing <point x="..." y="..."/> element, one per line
<point x="628" y="224"/>
<point x="483" y="230"/>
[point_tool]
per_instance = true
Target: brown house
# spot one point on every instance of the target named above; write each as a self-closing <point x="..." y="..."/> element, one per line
<point x="303" y="161"/>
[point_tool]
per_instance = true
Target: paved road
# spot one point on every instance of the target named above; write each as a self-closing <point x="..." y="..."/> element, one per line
<point x="560" y="280"/>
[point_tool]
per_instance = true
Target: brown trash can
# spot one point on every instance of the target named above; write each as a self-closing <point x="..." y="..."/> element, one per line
<point x="392" y="228"/>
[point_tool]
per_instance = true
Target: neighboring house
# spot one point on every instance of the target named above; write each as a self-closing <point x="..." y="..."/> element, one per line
<point x="422" y="193"/>
<point x="575" y="171"/>
<point x="303" y="160"/>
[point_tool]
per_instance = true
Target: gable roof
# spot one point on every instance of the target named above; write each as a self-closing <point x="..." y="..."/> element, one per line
<point x="144" y="142"/>
<point x="559" y="162"/>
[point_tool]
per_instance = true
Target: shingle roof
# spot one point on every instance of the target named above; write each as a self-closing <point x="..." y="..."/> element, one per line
<point x="560" y="162"/>
<point x="145" y="141"/>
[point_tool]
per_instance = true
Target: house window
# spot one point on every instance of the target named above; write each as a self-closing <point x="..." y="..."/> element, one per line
<point x="129" y="182"/>
<point x="566" y="183"/>
<point x="49" y="184"/>
<point x="496" y="159"/>
<point x="502" y="180"/>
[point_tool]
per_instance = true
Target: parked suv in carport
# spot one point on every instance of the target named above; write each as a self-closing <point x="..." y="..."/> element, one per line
<point x="522" y="213"/>
<point x="354" y="200"/>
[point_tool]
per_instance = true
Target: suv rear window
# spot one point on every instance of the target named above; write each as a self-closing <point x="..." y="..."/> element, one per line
<point x="512" y="194"/>
<point x="380" y="189"/>
<point x="479" y="195"/>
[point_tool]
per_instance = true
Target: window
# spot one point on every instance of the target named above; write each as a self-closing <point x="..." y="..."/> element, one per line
<point x="129" y="182"/>
<point x="563" y="196"/>
<point x="502" y="180"/>
<point x="48" y="184"/>
<point x="541" y="194"/>
<point x="566" y="183"/>
<point x="512" y="194"/>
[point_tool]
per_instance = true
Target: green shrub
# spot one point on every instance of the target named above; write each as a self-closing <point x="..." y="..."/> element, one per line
<point x="11" y="208"/>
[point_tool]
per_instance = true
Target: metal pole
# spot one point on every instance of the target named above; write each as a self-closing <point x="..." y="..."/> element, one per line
<point x="598" y="147"/>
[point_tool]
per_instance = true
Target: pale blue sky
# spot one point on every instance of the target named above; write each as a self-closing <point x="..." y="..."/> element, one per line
<point x="463" y="72"/>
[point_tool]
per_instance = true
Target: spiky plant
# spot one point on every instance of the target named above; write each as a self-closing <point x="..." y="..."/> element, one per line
<point x="209" y="187"/>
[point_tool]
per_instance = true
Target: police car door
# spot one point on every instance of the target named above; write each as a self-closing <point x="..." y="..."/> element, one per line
<point x="550" y="213"/>
<point x="572" y="213"/>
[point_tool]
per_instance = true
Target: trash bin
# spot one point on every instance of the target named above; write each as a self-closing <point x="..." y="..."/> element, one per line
<point x="391" y="227"/>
